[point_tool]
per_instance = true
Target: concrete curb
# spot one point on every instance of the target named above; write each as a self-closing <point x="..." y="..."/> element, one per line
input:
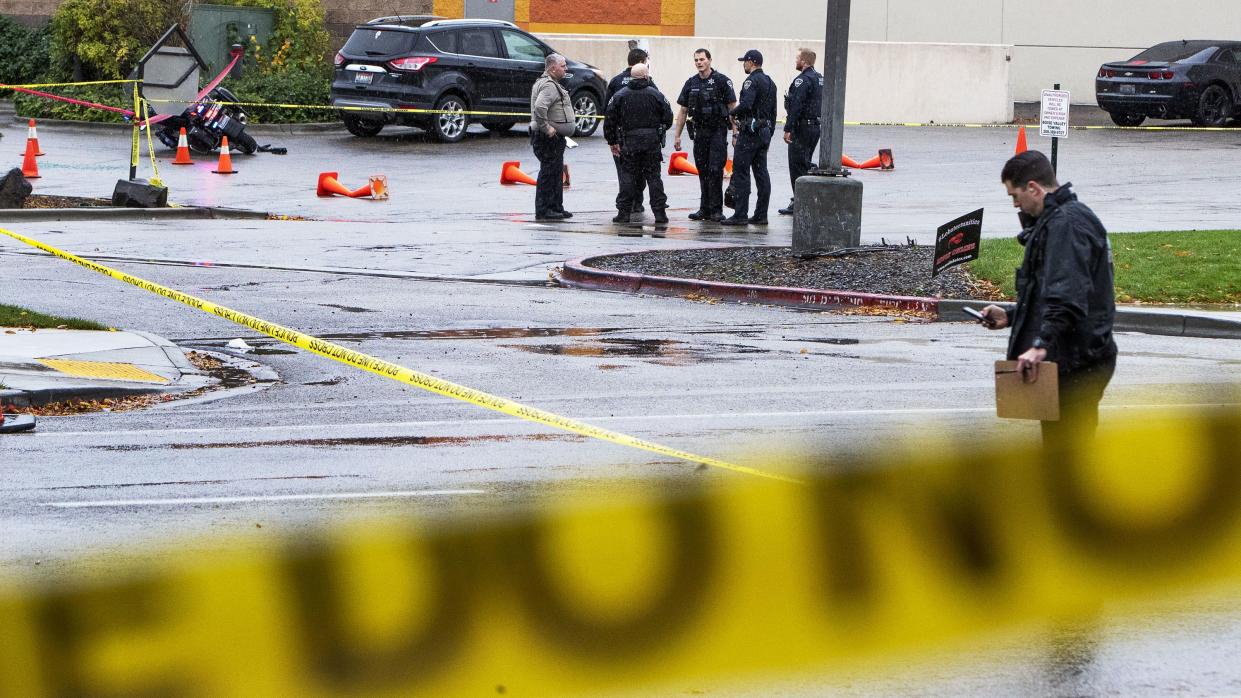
<point x="89" y="213"/>
<point x="44" y="396"/>
<point x="578" y="273"/>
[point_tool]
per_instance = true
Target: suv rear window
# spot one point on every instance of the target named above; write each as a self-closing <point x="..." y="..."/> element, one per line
<point x="378" y="42"/>
<point x="444" y="42"/>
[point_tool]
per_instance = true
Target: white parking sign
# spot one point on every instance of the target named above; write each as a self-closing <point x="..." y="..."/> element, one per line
<point x="1053" y="114"/>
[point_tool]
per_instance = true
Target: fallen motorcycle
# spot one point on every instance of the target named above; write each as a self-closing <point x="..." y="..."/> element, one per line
<point x="206" y="122"/>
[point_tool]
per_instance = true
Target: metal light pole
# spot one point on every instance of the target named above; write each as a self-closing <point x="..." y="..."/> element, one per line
<point x="827" y="209"/>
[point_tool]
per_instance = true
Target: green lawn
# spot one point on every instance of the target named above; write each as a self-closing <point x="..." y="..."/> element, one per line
<point x="13" y="316"/>
<point x="1188" y="266"/>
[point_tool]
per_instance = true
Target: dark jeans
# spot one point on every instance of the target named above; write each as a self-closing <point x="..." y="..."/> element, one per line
<point x="710" y="154"/>
<point x="801" y="151"/>
<point x="751" y="154"/>
<point x="1080" y="392"/>
<point x="620" y="180"/>
<point x="549" y="193"/>
<point x="638" y="169"/>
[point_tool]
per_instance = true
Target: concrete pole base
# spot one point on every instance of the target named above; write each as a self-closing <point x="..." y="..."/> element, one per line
<point x="827" y="214"/>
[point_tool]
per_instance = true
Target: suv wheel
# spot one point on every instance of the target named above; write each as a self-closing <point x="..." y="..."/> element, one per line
<point x="1214" y="107"/>
<point x="450" y="121"/>
<point x="1121" y="118"/>
<point x="586" y="107"/>
<point x="361" y="127"/>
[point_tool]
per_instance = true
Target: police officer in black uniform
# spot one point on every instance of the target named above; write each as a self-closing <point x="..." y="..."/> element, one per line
<point x="638" y="117"/>
<point x="707" y="98"/>
<point x="801" y="122"/>
<point x="754" y="118"/>
<point x="636" y="56"/>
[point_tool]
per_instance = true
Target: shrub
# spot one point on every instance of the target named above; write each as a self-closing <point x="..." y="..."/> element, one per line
<point x="107" y="37"/>
<point x="293" y="85"/>
<point x="23" y="52"/>
<point x="32" y="106"/>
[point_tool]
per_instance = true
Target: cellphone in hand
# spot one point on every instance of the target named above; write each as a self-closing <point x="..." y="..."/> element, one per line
<point x="974" y="313"/>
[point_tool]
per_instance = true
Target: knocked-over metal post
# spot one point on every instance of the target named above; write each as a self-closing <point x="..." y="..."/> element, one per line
<point x="827" y="203"/>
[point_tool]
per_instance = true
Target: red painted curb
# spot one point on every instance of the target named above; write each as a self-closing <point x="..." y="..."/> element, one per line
<point x="578" y="273"/>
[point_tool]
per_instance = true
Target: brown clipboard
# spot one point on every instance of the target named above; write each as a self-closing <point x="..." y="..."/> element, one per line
<point x="1016" y="399"/>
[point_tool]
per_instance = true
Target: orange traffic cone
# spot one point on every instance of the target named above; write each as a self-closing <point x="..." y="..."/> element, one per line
<point x="1021" y="141"/>
<point x="679" y="164"/>
<point x="329" y="186"/>
<point x="183" y="150"/>
<point x="728" y="167"/>
<point x="565" y="181"/>
<point x="376" y="187"/>
<point x="886" y="161"/>
<point x="870" y="164"/>
<point x="32" y="134"/>
<point x="30" y="168"/>
<point x="510" y="173"/>
<point x="846" y="161"/>
<point x="225" y="165"/>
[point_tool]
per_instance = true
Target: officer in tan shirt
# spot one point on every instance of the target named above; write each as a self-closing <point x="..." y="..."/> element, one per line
<point x="551" y="121"/>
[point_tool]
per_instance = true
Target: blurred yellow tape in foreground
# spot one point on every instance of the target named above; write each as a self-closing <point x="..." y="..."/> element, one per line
<point x="723" y="579"/>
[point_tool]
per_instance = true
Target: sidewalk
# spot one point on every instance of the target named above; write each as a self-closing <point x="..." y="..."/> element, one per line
<point x="42" y="366"/>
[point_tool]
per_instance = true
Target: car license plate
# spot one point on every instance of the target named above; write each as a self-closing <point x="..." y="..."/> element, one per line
<point x="1124" y="89"/>
<point x="362" y="78"/>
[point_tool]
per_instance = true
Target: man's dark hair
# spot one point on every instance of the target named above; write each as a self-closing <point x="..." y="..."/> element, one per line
<point x="704" y="52"/>
<point x="636" y="56"/>
<point x="1030" y="166"/>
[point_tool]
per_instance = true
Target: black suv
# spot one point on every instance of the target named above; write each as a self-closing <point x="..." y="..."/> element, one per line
<point x="450" y="66"/>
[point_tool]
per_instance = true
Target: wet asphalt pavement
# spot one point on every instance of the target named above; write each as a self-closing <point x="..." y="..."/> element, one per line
<point x="450" y="278"/>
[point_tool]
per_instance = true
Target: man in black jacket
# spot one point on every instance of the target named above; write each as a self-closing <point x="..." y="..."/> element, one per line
<point x="637" y="119"/>
<point x="636" y="56"/>
<point x="1065" y="296"/>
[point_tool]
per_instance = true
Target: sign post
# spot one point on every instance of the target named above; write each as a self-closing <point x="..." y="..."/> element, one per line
<point x="1053" y="118"/>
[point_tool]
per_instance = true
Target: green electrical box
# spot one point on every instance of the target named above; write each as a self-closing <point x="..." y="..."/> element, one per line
<point x="215" y="28"/>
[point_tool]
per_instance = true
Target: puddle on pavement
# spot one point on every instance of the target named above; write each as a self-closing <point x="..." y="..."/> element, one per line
<point x="384" y="441"/>
<point x="261" y="351"/>
<point x="668" y="352"/>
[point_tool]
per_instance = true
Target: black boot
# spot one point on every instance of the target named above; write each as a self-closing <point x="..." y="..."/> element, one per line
<point x="621" y="217"/>
<point x="661" y="217"/>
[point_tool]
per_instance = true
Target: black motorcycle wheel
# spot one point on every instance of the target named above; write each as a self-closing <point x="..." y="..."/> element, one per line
<point x="245" y="143"/>
<point x="202" y="142"/>
<point x="167" y="135"/>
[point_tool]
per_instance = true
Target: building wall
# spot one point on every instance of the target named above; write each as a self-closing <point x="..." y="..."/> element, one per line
<point x="1053" y="41"/>
<point x="885" y="81"/>
<point x="32" y="13"/>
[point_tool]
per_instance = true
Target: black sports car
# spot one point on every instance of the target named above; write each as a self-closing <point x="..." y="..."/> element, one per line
<point x="1198" y="80"/>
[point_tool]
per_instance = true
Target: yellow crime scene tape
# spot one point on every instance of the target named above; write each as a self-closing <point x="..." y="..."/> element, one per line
<point x="652" y="592"/>
<point x="396" y="372"/>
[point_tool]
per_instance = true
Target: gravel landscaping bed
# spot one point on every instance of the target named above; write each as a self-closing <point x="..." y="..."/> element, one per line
<point x="899" y="271"/>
